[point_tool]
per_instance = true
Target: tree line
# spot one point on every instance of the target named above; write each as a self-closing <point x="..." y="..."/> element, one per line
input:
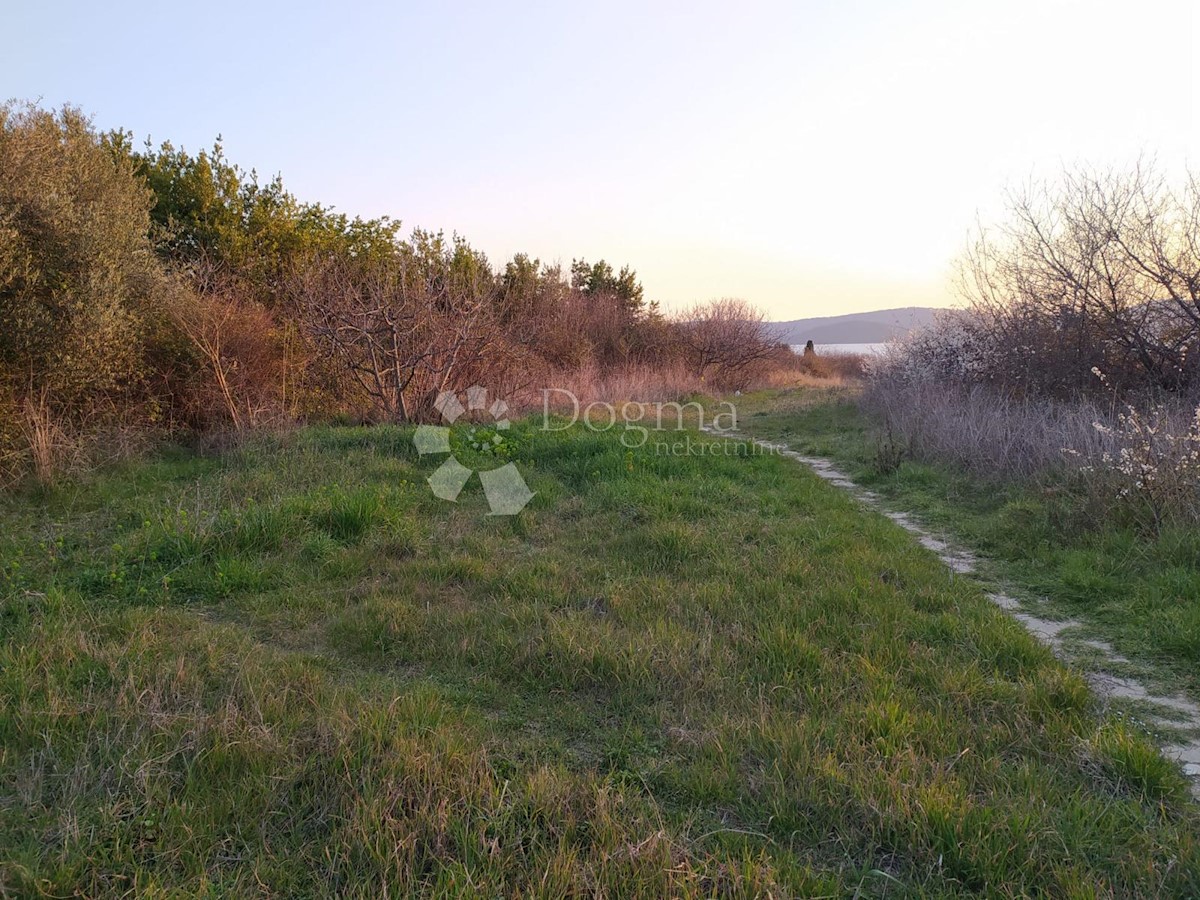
<point x="150" y="287"/>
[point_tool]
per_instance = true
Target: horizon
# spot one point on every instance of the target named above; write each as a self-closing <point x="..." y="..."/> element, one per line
<point x="813" y="160"/>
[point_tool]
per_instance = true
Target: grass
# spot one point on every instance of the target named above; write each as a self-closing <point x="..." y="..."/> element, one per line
<point x="291" y="670"/>
<point x="1138" y="590"/>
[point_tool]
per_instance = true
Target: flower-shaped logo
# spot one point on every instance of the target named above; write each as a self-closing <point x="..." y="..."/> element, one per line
<point x="505" y="488"/>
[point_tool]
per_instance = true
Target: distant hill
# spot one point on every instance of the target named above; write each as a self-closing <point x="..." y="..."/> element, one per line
<point x="855" y="328"/>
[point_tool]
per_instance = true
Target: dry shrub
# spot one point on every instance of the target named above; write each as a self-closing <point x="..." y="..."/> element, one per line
<point x="404" y="328"/>
<point x="1094" y="269"/>
<point x="725" y="342"/>
<point x="984" y="432"/>
<point x="1142" y="462"/>
<point x="588" y="330"/>
<point x="247" y="369"/>
<point x="1097" y="272"/>
<point x="841" y="366"/>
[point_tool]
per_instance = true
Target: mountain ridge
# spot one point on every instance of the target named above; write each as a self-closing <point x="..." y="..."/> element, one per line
<point x="870" y="327"/>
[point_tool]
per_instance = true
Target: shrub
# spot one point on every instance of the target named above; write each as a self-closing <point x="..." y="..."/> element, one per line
<point x="1154" y="462"/>
<point x="78" y="277"/>
<point x="983" y="431"/>
<point x="83" y="337"/>
<point x="1095" y="272"/>
<point x="1096" y="269"/>
<point x="725" y="342"/>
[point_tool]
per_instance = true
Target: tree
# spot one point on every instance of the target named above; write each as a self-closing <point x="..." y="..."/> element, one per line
<point x="209" y="212"/>
<point x="595" y="279"/>
<point x="78" y="275"/>
<point x="725" y="341"/>
<point x="404" y="327"/>
<point x="1095" y="270"/>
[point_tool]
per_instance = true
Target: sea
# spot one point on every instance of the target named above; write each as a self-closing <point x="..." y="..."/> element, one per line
<point x="866" y="349"/>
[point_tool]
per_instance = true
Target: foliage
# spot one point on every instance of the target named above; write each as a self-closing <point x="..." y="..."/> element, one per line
<point x="78" y="279"/>
<point x="599" y="279"/>
<point x="209" y="210"/>
<point x="162" y="288"/>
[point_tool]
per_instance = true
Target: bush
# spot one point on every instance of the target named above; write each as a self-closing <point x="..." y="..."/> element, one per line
<point x="1095" y="270"/>
<point x="1142" y="464"/>
<point x="724" y="342"/>
<point x="78" y="277"/>
<point x="1154" y="462"/>
<point x="165" y="290"/>
<point x="983" y="431"/>
<point x="1093" y="273"/>
<point x="80" y="326"/>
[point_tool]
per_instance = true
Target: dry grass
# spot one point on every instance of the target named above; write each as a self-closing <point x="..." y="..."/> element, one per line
<point x="1138" y="462"/>
<point x="984" y="432"/>
<point x="650" y="384"/>
<point x="834" y="366"/>
<point x="636" y="382"/>
<point x="42" y="436"/>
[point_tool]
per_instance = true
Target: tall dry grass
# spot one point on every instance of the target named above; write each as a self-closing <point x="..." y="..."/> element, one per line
<point x="35" y="441"/>
<point x="1140" y="460"/>
<point x="987" y="433"/>
<point x="672" y="382"/>
<point x="643" y="383"/>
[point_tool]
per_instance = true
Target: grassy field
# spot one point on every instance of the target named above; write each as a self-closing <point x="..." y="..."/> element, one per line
<point x="1138" y="590"/>
<point x="291" y="670"/>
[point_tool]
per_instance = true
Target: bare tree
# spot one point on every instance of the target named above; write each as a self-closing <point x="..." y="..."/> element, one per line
<point x="403" y="332"/>
<point x="725" y="340"/>
<point x="1098" y="269"/>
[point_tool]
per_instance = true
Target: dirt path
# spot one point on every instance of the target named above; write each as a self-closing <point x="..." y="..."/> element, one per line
<point x="1169" y="713"/>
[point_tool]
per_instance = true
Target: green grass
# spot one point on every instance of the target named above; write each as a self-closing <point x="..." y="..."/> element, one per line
<point x="292" y="670"/>
<point x="1138" y="590"/>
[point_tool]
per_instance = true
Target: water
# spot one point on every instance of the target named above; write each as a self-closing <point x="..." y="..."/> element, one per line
<point x="867" y="349"/>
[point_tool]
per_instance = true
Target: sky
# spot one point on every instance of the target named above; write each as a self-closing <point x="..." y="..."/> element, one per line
<point x="814" y="158"/>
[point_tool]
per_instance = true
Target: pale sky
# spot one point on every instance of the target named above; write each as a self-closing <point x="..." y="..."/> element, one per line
<point x="813" y="158"/>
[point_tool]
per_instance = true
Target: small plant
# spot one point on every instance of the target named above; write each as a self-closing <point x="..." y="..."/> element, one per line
<point x="43" y="437"/>
<point x="890" y="450"/>
<point x="486" y="440"/>
<point x="347" y="515"/>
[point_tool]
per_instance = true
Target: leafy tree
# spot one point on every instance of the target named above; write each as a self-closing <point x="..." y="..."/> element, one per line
<point x="520" y="288"/>
<point x="79" y="279"/>
<point x="599" y="278"/>
<point x="210" y="211"/>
